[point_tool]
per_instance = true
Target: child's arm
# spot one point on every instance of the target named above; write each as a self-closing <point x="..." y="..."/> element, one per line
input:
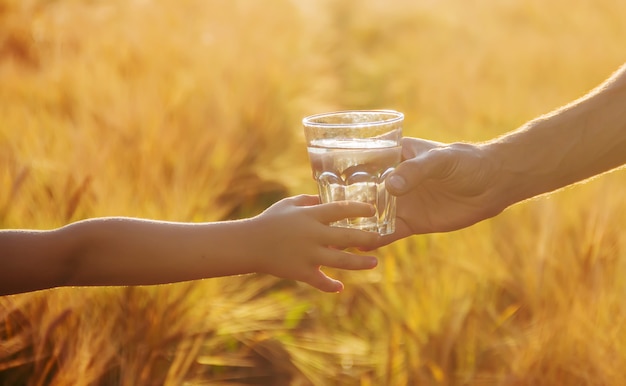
<point x="291" y="239"/>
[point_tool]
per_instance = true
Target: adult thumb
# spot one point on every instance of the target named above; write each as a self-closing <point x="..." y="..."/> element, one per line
<point x="396" y="183"/>
<point x="412" y="172"/>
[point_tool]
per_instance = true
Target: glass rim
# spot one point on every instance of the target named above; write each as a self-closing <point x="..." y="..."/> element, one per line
<point x="396" y="117"/>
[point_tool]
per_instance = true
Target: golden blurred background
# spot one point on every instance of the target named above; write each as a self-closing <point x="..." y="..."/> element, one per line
<point x="190" y="110"/>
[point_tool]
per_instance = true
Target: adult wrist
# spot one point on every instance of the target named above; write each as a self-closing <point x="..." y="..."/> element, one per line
<point x="509" y="184"/>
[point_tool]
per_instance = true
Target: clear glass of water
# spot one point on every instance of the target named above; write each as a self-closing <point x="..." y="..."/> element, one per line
<point x="351" y="154"/>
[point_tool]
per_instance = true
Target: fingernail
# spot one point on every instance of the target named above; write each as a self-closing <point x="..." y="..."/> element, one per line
<point x="396" y="182"/>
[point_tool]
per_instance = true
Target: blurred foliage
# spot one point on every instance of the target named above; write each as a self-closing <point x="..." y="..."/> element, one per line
<point x="190" y="110"/>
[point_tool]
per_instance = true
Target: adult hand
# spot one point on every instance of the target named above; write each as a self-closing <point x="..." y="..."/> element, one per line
<point x="443" y="187"/>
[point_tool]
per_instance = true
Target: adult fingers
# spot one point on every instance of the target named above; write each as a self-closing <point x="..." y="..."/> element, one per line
<point x="412" y="147"/>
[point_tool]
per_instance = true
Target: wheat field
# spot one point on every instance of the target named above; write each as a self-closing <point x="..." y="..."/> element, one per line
<point x="190" y="110"/>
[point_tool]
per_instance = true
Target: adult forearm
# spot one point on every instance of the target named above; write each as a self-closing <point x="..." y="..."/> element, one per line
<point x="571" y="144"/>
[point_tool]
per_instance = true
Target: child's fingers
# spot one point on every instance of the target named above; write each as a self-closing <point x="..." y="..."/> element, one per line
<point x="335" y="211"/>
<point x="324" y="283"/>
<point x="402" y="231"/>
<point x="344" y="260"/>
<point x="346" y="238"/>
<point x="305" y="200"/>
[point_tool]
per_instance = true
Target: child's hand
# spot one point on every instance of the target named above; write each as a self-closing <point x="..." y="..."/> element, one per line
<point x="295" y="240"/>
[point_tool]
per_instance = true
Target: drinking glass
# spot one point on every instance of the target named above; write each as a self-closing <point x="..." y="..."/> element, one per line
<point x="351" y="154"/>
